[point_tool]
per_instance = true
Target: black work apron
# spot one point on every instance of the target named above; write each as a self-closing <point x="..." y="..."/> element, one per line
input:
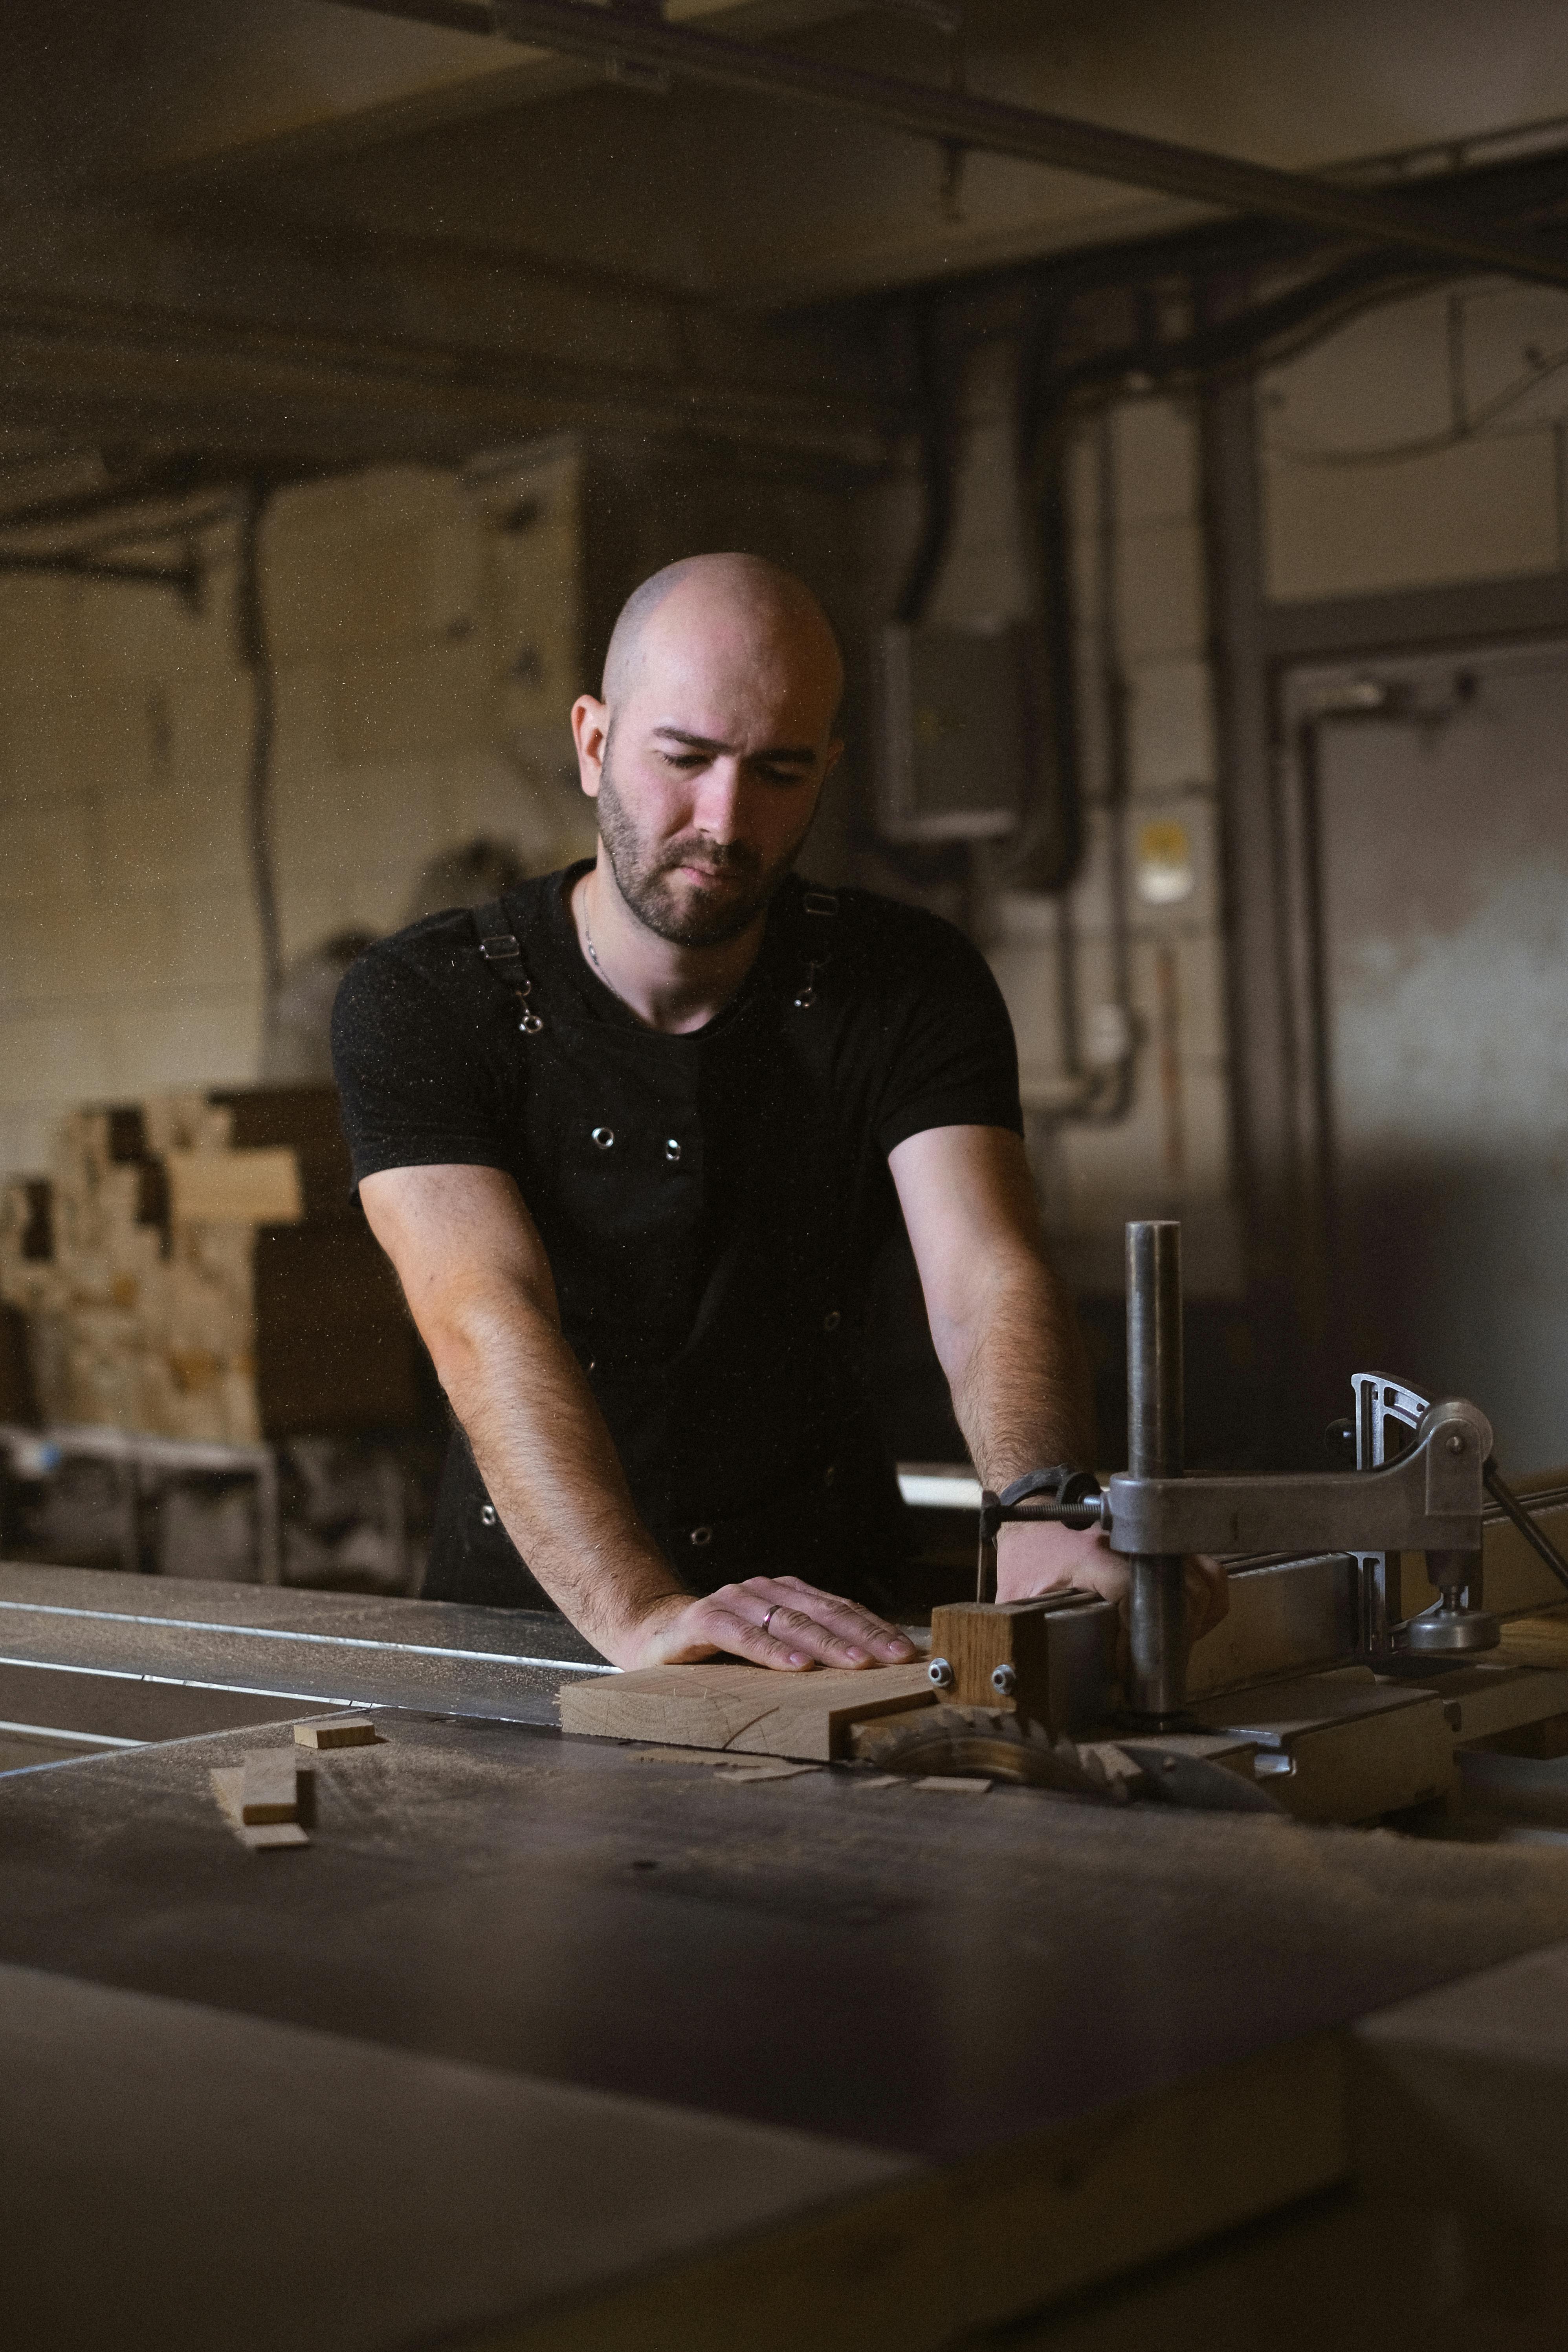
<point x="707" y="1167"/>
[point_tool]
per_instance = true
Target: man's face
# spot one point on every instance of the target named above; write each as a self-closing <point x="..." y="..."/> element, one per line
<point x="709" y="770"/>
<point x="693" y="886"/>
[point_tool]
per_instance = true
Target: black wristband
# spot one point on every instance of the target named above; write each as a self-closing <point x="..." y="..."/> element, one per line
<point x="1060" y="1484"/>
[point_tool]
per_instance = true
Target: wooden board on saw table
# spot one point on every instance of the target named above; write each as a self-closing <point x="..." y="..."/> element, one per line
<point x="749" y="1710"/>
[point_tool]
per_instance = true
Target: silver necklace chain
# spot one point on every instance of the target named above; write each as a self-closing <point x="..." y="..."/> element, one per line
<point x="594" y="956"/>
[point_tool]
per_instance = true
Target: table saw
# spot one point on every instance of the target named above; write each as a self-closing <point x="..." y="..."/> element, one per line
<point x="550" y="2039"/>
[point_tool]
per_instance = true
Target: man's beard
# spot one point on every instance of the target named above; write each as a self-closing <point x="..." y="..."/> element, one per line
<point x="640" y="875"/>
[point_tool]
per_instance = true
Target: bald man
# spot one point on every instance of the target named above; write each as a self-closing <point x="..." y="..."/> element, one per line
<point x="633" y="1137"/>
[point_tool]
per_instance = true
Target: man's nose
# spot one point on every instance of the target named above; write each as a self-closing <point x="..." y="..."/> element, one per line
<point x="719" y="800"/>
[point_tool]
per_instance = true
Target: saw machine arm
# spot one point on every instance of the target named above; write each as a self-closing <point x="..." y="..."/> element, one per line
<point x="1428" y="1497"/>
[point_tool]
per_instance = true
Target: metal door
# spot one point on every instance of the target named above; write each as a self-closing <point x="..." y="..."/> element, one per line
<point x="1436" y="794"/>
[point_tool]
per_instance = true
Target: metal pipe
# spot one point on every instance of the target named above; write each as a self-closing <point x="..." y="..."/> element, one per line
<point x="1536" y="1537"/>
<point x="186" y="579"/>
<point x="606" y="37"/>
<point x="1156" y="1449"/>
<point x="256" y="653"/>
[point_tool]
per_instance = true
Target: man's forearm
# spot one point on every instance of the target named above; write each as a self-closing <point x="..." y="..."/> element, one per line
<point x="549" y="1465"/>
<point x="479" y="1284"/>
<point x="1019" y="1375"/>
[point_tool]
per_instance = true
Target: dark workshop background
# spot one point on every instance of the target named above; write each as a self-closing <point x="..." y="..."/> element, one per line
<point x="353" y="369"/>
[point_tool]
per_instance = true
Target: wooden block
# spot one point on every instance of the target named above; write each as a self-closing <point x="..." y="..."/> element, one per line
<point x="976" y="1637"/>
<point x="338" y="1731"/>
<point x="270" y="1790"/>
<point x="234" y="1188"/>
<point x="1540" y="1640"/>
<point x="746" y="1710"/>
<point x="958" y="1783"/>
<point x="229" y="1785"/>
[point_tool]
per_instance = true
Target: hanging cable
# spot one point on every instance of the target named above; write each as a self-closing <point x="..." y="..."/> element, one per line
<point x="255" y="653"/>
<point x="926" y="865"/>
<point x="937" y="401"/>
<point x="1055" y="402"/>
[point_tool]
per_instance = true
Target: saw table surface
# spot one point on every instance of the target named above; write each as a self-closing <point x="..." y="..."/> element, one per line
<point x="334" y="1647"/>
<point x="923" y="1970"/>
<point x="737" y="2013"/>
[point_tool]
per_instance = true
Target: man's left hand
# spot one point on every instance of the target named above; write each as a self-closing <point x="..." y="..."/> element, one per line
<point x="1037" y="1555"/>
<point x="771" y="1621"/>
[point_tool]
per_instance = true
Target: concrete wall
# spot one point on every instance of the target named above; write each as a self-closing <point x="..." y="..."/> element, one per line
<point x="1148" y="778"/>
<point x="1421" y="445"/>
<point x="426" y="634"/>
<point x="127" y="948"/>
<point x="430" y="632"/>
<point x="1143" y="634"/>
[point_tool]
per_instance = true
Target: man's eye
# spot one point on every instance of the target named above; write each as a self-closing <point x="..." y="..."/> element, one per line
<point x="783" y="775"/>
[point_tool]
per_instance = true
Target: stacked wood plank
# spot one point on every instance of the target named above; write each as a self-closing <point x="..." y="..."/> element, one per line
<point x="196" y="1267"/>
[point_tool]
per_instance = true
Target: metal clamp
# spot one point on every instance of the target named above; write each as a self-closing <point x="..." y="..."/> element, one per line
<point x="1430" y="1498"/>
<point x="1070" y="1496"/>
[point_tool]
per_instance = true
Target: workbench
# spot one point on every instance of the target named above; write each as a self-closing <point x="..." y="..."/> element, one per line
<point x="544" y="2043"/>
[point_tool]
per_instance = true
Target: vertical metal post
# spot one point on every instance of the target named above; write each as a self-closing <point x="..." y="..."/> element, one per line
<point x="1156" y="1432"/>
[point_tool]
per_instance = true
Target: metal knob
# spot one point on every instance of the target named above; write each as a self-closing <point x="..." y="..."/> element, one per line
<point x="1003" y="1681"/>
<point x="940" y="1673"/>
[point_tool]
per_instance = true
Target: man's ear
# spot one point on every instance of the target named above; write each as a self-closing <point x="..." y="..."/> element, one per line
<point x="590" y="733"/>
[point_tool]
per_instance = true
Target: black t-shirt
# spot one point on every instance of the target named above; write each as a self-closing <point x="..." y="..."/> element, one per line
<point x="431" y="1070"/>
<point x="713" y="1203"/>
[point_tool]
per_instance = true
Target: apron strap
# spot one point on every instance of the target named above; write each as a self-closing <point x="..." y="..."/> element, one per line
<point x="823" y="906"/>
<point x="502" y="955"/>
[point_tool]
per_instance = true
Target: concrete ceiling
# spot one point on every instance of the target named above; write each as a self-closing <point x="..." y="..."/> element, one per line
<point x="288" y="224"/>
<point x="335" y="116"/>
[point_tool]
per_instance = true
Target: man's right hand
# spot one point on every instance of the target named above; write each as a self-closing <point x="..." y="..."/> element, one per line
<point x="1037" y="1555"/>
<point x="770" y="1620"/>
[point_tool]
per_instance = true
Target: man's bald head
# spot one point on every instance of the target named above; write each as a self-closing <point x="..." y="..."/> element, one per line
<point x="767" y="611"/>
<point x="709" y="750"/>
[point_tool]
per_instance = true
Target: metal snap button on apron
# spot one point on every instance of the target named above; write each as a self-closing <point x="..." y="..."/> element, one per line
<point x="829" y="1474"/>
<point x="672" y="1149"/>
<point x="487" y="1514"/>
<point x="832" y="1320"/>
<point x="604" y="1137"/>
<point x="700" y="1536"/>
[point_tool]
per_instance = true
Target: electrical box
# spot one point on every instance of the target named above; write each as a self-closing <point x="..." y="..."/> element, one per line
<point x="955" y="733"/>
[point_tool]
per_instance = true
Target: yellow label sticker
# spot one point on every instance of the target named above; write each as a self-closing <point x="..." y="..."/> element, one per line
<point x="1163" y="862"/>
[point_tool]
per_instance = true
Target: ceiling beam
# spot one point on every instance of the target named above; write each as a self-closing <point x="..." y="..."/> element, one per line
<point x="502" y="88"/>
<point x="632" y="38"/>
<point x="165" y="378"/>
